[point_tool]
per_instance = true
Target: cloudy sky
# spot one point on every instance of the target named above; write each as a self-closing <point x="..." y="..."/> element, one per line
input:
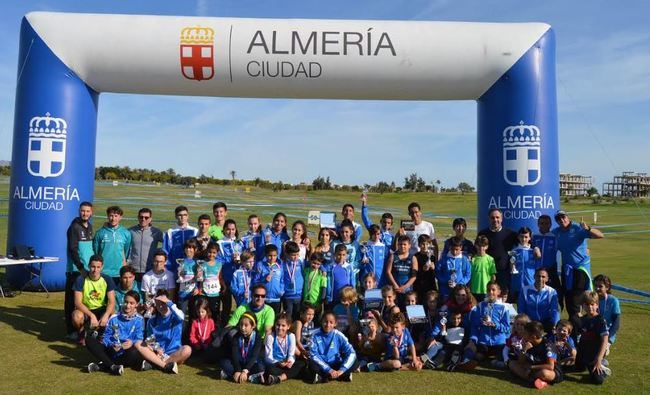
<point x="603" y="68"/>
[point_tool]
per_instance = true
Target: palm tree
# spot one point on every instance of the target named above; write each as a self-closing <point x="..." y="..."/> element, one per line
<point x="233" y="174"/>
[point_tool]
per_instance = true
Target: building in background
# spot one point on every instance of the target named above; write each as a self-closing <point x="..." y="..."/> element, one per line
<point x="575" y="185"/>
<point x="629" y="184"/>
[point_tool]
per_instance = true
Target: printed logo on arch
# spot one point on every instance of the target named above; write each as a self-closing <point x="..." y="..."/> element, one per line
<point x="46" y="146"/>
<point x="521" y="155"/>
<point x="197" y="53"/>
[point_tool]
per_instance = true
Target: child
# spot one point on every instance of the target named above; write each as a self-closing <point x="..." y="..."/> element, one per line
<point x="402" y="269"/>
<point x="187" y="271"/>
<point x="388" y="308"/>
<point x="400" y="348"/>
<point x="460" y="226"/>
<point x="386" y="223"/>
<point x="566" y="348"/>
<point x="324" y="245"/>
<point x="315" y="281"/>
<point x="300" y="237"/>
<point x="523" y="264"/>
<point x="117" y="348"/>
<point x="332" y="356"/>
<point x="292" y="277"/>
<point x="426" y="277"/>
<point x="127" y="283"/>
<point x="213" y="284"/>
<point x="253" y="240"/>
<point x="515" y="345"/>
<point x="490" y="327"/>
<point x="608" y="306"/>
<point x="374" y="254"/>
<point x="539" y="364"/>
<point x="446" y="346"/>
<point x="340" y="276"/>
<point x="594" y="338"/>
<point x="280" y="355"/>
<point x="276" y="234"/>
<point x="453" y="269"/>
<point x="347" y="312"/>
<point x="353" y="254"/>
<point x="241" y="279"/>
<point x="268" y="272"/>
<point x="201" y="327"/>
<point x="546" y="243"/>
<point x="431" y="310"/>
<point x="158" y="278"/>
<point x="230" y="250"/>
<point x="370" y="342"/>
<point x="540" y="301"/>
<point x="484" y="269"/>
<point x="243" y="364"/>
<point x="304" y="329"/>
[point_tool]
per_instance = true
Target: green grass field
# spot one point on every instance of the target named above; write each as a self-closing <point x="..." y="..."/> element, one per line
<point x="35" y="358"/>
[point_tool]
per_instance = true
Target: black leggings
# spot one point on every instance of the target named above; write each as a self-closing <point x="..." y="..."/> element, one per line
<point x="291" y="373"/>
<point x="130" y="357"/>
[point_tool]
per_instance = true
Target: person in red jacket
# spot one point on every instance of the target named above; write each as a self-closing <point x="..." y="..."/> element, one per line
<point x="201" y="327"/>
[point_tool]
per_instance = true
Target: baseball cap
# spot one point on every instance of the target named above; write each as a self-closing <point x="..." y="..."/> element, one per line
<point x="560" y="213"/>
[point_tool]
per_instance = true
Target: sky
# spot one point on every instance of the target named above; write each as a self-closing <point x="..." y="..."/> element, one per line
<point x="603" y="83"/>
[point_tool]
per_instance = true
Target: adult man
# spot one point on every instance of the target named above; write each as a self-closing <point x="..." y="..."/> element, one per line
<point x="203" y="238"/>
<point x="175" y="238"/>
<point x="501" y="241"/>
<point x="220" y="212"/>
<point x="158" y="278"/>
<point x="80" y="249"/>
<point x="576" y="262"/>
<point x="113" y="243"/>
<point x="420" y="227"/>
<point x="263" y="312"/>
<point x="145" y="240"/>
<point x="94" y="299"/>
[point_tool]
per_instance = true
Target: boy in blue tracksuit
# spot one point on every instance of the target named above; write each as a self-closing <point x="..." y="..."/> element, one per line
<point x="453" y="269"/>
<point x="174" y="239"/>
<point x="269" y="273"/>
<point x="292" y="277"/>
<point x="386" y="222"/>
<point x="332" y="356"/>
<point x="113" y="243"/>
<point x="354" y="256"/>
<point x="490" y="328"/>
<point x="523" y="263"/>
<point x="241" y="283"/>
<point x="540" y="302"/>
<point x="373" y="256"/>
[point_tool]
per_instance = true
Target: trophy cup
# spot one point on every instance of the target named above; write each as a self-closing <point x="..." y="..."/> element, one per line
<point x="363" y="249"/>
<point x="149" y="305"/>
<point x="487" y="313"/>
<point x="155" y="346"/>
<point x="236" y="248"/>
<point x="179" y="269"/>
<point x="443" y="323"/>
<point x="267" y="234"/>
<point x="116" y="336"/>
<point x="513" y="262"/>
<point x="452" y="279"/>
<point x="430" y="252"/>
<point x="199" y="270"/>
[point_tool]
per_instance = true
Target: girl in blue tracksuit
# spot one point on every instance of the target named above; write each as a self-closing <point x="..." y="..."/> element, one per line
<point x="123" y="332"/>
<point x="230" y="250"/>
<point x="241" y="283"/>
<point x="280" y="353"/>
<point x="490" y="327"/>
<point x="523" y="263"/>
<point x="253" y="240"/>
<point x="244" y="361"/>
<point x="292" y="277"/>
<point x="163" y="347"/>
<point x="331" y="355"/>
<point x="453" y="269"/>
<point x="276" y="234"/>
<point x="269" y="273"/>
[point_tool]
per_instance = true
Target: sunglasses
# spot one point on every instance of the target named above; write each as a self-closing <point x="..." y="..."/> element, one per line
<point x="256" y="296"/>
<point x="143" y="217"/>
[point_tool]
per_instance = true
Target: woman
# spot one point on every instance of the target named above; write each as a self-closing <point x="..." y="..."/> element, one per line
<point x="119" y="346"/>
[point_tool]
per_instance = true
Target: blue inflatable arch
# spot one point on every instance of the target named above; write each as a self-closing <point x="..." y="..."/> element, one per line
<point x="66" y="60"/>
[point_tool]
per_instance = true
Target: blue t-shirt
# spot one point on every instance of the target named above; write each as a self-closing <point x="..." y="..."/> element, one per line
<point x="403" y="343"/>
<point x="608" y="308"/>
<point x="572" y="244"/>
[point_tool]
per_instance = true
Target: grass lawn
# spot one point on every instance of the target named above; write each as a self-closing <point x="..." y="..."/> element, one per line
<point x="34" y="357"/>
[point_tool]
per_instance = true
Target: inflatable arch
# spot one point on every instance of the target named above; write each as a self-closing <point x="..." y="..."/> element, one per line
<point x="66" y="60"/>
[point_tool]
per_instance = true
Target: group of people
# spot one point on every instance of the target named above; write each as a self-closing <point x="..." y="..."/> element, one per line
<point x="148" y="299"/>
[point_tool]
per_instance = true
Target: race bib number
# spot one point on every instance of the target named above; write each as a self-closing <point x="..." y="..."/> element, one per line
<point x="211" y="287"/>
